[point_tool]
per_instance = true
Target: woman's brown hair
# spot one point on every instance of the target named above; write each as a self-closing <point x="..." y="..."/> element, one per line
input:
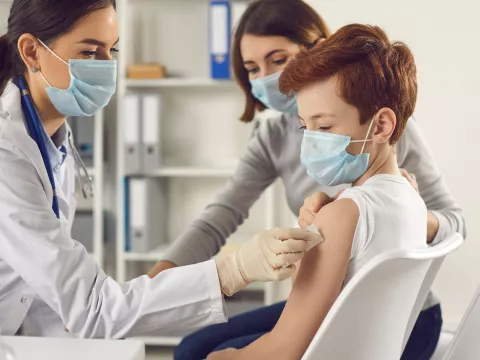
<point x="293" y="19"/>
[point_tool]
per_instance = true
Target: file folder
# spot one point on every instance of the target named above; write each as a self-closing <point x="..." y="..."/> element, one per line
<point x="83" y="129"/>
<point x="220" y="25"/>
<point x="151" y="136"/>
<point x="147" y="212"/>
<point x="82" y="229"/>
<point x="132" y="141"/>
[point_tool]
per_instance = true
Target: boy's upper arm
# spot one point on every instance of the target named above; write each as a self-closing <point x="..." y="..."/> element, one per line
<point x="319" y="279"/>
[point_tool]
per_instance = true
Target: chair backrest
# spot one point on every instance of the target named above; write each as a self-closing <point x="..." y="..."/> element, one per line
<point x="454" y="238"/>
<point x="370" y="316"/>
<point x="465" y="344"/>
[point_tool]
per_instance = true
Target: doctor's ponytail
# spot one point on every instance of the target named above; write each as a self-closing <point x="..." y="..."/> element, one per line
<point x="47" y="20"/>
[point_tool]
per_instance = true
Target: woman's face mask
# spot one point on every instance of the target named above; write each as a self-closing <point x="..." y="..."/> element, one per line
<point x="264" y="58"/>
<point x="266" y="90"/>
<point x="92" y="85"/>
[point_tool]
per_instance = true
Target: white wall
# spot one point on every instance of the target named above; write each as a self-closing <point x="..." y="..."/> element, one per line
<point x="444" y="37"/>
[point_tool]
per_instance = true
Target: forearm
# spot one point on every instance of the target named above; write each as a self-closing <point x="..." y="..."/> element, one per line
<point x="265" y="347"/>
<point x="201" y="240"/>
<point x="432" y="227"/>
<point x="449" y="221"/>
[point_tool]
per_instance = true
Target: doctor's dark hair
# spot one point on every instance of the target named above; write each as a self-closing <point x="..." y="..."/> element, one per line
<point x="47" y="20"/>
<point x="293" y="19"/>
<point x="371" y="72"/>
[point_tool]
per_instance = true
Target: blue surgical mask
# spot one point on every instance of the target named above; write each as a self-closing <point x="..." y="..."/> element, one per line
<point x="92" y="85"/>
<point x="267" y="91"/>
<point x="326" y="159"/>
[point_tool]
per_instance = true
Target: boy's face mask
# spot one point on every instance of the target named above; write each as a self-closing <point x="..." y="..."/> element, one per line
<point x="326" y="159"/>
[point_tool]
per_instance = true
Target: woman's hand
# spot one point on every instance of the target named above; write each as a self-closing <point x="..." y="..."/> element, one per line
<point x="311" y="206"/>
<point x="412" y="179"/>
<point x="159" y="267"/>
<point x="432" y="220"/>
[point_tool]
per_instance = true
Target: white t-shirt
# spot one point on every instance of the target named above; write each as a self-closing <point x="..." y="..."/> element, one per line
<point x="392" y="216"/>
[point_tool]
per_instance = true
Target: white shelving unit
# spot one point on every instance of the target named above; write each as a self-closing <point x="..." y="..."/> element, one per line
<point x="95" y="205"/>
<point x="200" y="129"/>
<point x="98" y="182"/>
<point x="178" y="83"/>
<point x="192" y="172"/>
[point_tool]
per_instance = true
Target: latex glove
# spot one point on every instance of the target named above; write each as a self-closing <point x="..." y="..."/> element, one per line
<point x="268" y="256"/>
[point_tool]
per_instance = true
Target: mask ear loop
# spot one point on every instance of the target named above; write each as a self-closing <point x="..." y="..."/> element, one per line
<point x="366" y="137"/>
<point x="58" y="57"/>
<point x="46" y="47"/>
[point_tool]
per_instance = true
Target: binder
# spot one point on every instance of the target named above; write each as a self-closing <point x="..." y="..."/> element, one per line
<point x="126" y="214"/>
<point x="147" y="214"/>
<point x="82" y="229"/>
<point x="151" y="136"/>
<point x="83" y="129"/>
<point x="238" y="8"/>
<point x="220" y="25"/>
<point x="132" y="141"/>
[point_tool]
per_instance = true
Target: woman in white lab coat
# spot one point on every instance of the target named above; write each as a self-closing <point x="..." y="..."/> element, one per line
<point x="56" y="61"/>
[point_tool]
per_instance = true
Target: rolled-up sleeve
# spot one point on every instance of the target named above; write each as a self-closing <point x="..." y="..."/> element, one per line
<point x="415" y="156"/>
<point x="38" y="247"/>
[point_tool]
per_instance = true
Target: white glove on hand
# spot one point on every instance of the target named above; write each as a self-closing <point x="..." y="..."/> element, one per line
<point x="268" y="256"/>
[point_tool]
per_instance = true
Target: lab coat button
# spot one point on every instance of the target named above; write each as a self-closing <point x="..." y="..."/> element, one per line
<point x="23" y="299"/>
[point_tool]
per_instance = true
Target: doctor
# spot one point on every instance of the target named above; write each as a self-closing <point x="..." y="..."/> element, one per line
<point x="56" y="61"/>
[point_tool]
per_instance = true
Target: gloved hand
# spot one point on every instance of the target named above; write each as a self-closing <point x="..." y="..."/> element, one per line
<point x="268" y="256"/>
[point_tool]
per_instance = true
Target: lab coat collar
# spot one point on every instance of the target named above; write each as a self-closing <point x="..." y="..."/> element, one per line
<point x="57" y="154"/>
<point x="11" y="104"/>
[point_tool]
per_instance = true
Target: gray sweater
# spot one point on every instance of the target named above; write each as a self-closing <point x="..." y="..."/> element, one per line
<point x="274" y="151"/>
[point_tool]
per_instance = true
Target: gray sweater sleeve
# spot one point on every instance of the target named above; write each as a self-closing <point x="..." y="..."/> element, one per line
<point x="414" y="155"/>
<point x="206" y="235"/>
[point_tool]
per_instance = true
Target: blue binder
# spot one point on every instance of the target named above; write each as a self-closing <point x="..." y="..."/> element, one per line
<point x="220" y="40"/>
<point x="126" y="214"/>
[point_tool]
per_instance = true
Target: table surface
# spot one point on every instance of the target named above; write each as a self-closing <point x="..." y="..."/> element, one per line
<point x="29" y="348"/>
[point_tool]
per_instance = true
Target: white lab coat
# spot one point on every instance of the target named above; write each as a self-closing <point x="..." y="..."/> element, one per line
<point x="47" y="279"/>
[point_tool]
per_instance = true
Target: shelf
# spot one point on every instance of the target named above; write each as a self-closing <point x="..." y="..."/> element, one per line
<point x="159" y="340"/>
<point x="177" y="83"/>
<point x="153" y="255"/>
<point x="192" y="172"/>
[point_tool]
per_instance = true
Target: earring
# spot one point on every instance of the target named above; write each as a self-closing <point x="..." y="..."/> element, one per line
<point x="34" y="69"/>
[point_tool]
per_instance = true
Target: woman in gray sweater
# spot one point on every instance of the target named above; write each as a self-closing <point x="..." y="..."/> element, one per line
<point x="265" y="40"/>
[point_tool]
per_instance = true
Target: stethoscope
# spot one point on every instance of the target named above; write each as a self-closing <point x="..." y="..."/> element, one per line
<point x="35" y="129"/>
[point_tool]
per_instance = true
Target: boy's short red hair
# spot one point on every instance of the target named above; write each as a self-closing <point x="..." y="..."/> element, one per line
<point x="371" y="72"/>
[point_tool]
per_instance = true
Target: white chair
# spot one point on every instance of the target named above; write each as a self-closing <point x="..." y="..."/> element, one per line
<point x="426" y="287"/>
<point x="464" y="344"/>
<point x="371" y="315"/>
